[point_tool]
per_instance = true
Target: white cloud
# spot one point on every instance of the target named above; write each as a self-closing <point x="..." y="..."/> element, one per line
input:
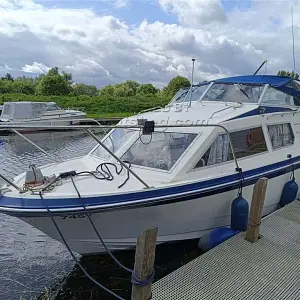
<point x="195" y="12"/>
<point x="37" y="68"/>
<point x="102" y="49"/>
<point x="121" y="3"/>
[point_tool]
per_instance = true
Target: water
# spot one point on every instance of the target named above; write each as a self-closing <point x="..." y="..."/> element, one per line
<point x="34" y="266"/>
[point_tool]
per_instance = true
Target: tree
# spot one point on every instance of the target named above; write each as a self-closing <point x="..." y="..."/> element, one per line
<point x="147" y="89"/>
<point x="84" y="89"/>
<point x="7" y="77"/>
<point x="123" y="90"/>
<point x="5" y="86"/>
<point x="175" y="85"/>
<point x="133" y="85"/>
<point x="67" y="76"/>
<point x="287" y="73"/>
<point x="53" y="84"/>
<point x="21" y="86"/>
<point x="107" y="91"/>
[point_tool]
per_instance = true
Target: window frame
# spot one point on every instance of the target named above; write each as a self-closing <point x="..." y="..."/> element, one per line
<point x="198" y="135"/>
<point x="232" y="160"/>
<point x="260" y="102"/>
<point x="269" y="137"/>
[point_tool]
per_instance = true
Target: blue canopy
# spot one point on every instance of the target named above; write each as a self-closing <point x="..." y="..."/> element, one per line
<point x="279" y="82"/>
<point x="275" y="81"/>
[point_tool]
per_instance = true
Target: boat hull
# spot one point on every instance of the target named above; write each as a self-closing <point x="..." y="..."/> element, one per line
<point x="176" y="221"/>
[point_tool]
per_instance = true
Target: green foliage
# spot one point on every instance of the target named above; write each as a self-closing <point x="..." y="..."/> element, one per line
<point x="121" y="99"/>
<point x="107" y="91"/>
<point x="147" y="89"/>
<point x="7" y="77"/>
<point x="53" y="84"/>
<point x="96" y="106"/>
<point x="123" y="90"/>
<point x="174" y="86"/>
<point x="287" y="73"/>
<point x="84" y="89"/>
<point x="133" y="85"/>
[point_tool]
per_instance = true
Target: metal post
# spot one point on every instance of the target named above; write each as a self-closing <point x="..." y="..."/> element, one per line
<point x="192" y="83"/>
<point x="117" y="158"/>
<point x="35" y="145"/>
<point x="10" y="183"/>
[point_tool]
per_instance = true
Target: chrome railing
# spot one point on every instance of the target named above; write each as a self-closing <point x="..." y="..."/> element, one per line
<point x="89" y="128"/>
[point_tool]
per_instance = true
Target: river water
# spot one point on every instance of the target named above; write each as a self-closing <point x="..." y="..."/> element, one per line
<point x="34" y="266"/>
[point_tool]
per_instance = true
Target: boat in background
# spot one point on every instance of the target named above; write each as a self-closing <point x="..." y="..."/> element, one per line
<point x="39" y="114"/>
<point x="178" y="168"/>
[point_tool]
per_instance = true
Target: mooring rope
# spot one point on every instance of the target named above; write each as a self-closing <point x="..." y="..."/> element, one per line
<point x="106" y="175"/>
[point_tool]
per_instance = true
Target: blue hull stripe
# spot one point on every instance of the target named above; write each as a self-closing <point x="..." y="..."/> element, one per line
<point x="156" y="196"/>
<point x="267" y="110"/>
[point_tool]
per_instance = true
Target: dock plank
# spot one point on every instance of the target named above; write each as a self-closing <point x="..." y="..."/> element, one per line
<point x="237" y="269"/>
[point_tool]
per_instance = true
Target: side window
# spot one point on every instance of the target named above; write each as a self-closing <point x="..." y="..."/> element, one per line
<point x="273" y="96"/>
<point x="245" y="143"/>
<point x="248" y="142"/>
<point x="281" y="135"/>
<point x="216" y="153"/>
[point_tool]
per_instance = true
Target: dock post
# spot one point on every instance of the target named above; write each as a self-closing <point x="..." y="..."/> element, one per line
<point x="144" y="263"/>
<point x="258" y="199"/>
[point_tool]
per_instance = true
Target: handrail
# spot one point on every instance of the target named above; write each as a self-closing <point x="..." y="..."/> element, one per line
<point x="35" y="145"/>
<point x="10" y="127"/>
<point x="88" y="130"/>
<point x="11" y="183"/>
<point x="149" y="109"/>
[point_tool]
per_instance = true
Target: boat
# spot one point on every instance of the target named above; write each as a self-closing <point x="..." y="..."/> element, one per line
<point x="39" y="113"/>
<point x="178" y="167"/>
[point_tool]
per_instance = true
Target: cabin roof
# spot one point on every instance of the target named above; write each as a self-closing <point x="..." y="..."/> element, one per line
<point x="285" y="84"/>
<point x="275" y="81"/>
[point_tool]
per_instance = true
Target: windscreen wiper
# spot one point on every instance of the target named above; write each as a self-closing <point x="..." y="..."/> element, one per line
<point x="243" y="91"/>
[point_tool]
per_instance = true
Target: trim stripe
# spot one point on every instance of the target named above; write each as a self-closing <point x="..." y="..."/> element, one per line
<point x="267" y="110"/>
<point x="151" y="197"/>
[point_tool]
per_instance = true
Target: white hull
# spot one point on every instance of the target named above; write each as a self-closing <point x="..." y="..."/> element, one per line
<point x="178" y="221"/>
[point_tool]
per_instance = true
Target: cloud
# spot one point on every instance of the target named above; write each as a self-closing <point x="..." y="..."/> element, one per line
<point x="37" y="68"/>
<point x="103" y="49"/>
<point x="195" y="13"/>
<point x="121" y="3"/>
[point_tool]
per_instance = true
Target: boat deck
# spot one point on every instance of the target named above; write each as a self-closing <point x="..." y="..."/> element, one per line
<point x="238" y="269"/>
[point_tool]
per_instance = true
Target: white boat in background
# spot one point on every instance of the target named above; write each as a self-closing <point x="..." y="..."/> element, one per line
<point x="180" y="172"/>
<point x="38" y="113"/>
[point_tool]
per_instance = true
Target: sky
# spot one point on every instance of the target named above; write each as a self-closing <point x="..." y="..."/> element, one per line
<point x="110" y="41"/>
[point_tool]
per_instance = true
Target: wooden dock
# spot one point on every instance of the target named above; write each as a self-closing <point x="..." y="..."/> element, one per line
<point x="238" y="269"/>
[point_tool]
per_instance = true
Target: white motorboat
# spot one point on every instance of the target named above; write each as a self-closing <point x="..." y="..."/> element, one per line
<point x="180" y="174"/>
<point x="38" y="113"/>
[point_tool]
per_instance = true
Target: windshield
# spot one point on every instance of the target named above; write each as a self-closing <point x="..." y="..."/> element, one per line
<point x="187" y="95"/>
<point x="161" y="150"/>
<point x="241" y="93"/>
<point x="117" y="138"/>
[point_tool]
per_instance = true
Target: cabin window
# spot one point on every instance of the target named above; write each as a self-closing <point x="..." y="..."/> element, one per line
<point x="241" y="93"/>
<point x="161" y="150"/>
<point x="117" y="138"/>
<point x="245" y="143"/>
<point x="281" y="135"/>
<point x="276" y="97"/>
<point x="217" y="153"/>
<point x="185" y="95"/>
<point x="53" y="107"/>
